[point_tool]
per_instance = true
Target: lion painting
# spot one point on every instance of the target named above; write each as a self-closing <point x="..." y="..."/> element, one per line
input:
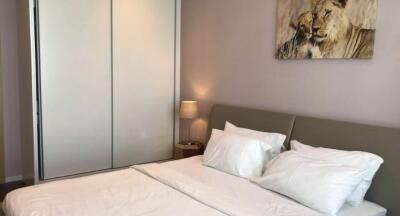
<point x="300" y="45"/>
<point x="326" y="29"/>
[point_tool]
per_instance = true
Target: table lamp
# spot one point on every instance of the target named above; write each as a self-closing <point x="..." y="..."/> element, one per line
<point x="189" y="110"/>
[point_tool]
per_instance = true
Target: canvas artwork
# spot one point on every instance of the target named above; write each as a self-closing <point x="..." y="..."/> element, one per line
<point x="324" y="29"/>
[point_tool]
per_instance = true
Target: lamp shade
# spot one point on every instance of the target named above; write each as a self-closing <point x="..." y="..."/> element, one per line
<point x="189" y="110"/>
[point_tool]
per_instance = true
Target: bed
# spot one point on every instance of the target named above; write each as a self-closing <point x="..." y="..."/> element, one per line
<point x="186" y="187"/>
<point x="183" y="187"/>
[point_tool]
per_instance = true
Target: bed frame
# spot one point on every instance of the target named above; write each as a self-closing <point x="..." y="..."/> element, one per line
<point x="382" y="141"/>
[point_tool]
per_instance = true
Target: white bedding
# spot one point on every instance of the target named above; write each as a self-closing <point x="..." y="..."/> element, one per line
<point x="125" y="192"/>
<point x="183" y="187"/>
<point x="221" y="199"/>
<point x="250" y="193"/>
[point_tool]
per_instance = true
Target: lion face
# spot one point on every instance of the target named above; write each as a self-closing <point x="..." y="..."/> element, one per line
<point x="303" y="25"/>
<point x="329" y="20"/>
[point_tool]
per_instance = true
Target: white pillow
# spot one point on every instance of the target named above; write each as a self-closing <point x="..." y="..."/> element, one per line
<point x="357" y="159"/>
<point x="235" y="154"/>
<point x="321" y="185"/>
<point x="275" y="140"/>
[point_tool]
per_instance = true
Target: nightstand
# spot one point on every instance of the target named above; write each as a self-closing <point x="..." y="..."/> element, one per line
<point x="185" y="151"/>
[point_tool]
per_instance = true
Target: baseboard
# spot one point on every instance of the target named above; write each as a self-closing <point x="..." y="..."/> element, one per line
<point x="13" y="178"/>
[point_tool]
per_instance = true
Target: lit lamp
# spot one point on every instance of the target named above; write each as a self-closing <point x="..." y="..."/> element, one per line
<point x="189" y="110"/>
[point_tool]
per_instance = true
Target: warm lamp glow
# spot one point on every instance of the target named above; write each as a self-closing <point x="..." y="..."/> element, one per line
<point x="189" y="110"/>
<point x="201" y="91"/>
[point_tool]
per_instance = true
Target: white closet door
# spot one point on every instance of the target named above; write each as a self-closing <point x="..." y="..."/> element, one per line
<point x="144" y="45"/>
<point x="75" y="60"/>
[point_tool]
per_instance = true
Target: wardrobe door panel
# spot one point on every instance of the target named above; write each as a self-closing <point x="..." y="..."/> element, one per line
<point x="144" y="56"/>
<point x="75" y="75"/>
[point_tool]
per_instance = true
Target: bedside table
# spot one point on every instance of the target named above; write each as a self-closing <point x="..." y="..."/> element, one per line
<point x="185" y="151"/>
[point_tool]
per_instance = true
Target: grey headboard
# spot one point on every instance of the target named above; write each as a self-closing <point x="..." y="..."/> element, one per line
<point x="382" y="141"/>
<point x="250" y="118"/>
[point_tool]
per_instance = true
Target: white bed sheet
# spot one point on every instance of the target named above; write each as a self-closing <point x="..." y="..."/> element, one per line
<point x="125" y="192"/>
<point x="365" y="209"/>
<point x="248" y="192"/>
<point x="183" y="187"/>
<point x="219" y="199"/>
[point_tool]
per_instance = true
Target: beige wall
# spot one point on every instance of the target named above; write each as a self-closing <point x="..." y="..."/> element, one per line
<point x="9" y="57"/>
<point x="228" y="57"/>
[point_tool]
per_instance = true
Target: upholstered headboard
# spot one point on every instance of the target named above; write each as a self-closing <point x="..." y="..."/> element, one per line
<point x="382" y="141"/>
<point x="250" y="118"/>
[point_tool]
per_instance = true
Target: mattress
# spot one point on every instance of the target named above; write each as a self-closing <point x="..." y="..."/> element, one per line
<point x="248" y="192"/>
<point x="366" y="209"/>
<point x="182" y="187"/>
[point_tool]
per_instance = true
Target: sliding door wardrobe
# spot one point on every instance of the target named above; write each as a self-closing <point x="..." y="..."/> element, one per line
<point x="144" y="80"/>
<point x="105" y="76"/>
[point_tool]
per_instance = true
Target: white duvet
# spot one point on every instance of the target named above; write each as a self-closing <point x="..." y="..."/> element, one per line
<point x="126" y="192"/>
<point x="183" y="187"/>
<point x="220" y="199"/>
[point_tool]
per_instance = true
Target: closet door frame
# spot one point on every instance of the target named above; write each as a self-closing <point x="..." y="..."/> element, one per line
<point x="34" y="159"/>
<point x="178" y="27"/>
<point x="35" y="94"/>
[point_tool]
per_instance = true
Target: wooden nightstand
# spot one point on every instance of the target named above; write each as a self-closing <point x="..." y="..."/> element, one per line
<point x="185" y="151"/>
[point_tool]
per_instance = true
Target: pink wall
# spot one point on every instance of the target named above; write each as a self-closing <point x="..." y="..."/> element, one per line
<point x="228" y="57"/>
<point x="9" y="55"/>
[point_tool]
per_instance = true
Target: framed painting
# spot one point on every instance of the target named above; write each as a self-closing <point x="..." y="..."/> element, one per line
<point x="326" y="29"/>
